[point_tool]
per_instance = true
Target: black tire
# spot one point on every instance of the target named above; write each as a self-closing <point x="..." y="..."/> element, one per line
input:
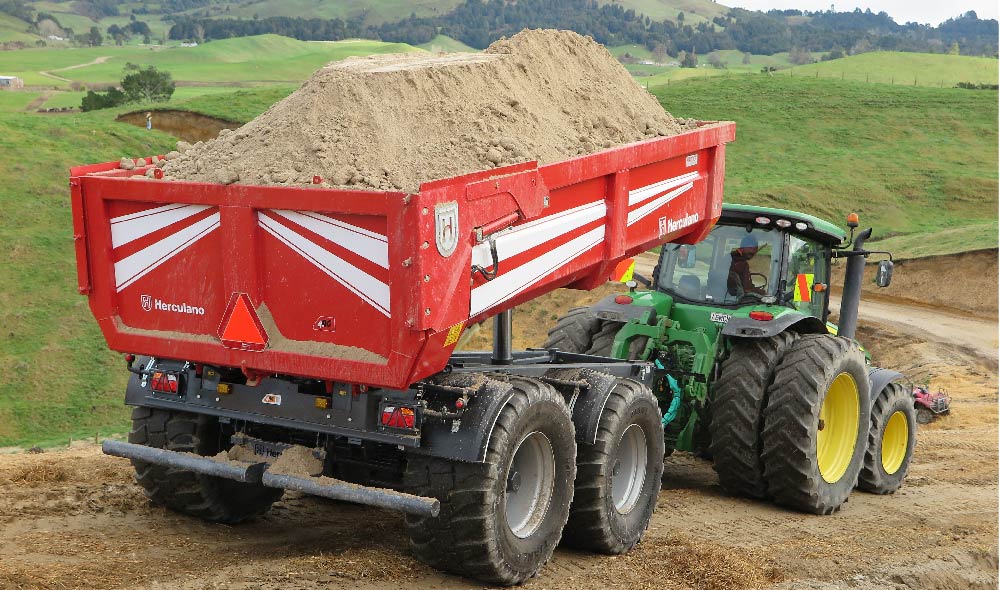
<point x="604" y="339"/>
<point x="210" y="498"/>
<point x="595" y="522"/>
<point x="893" y="403"/>
<point x="574" y="332"/>
<point x="802" y="383"/>
<point x="924" y="415"/>
<point x="738" y="401"/>
<point x="471" y="536"/>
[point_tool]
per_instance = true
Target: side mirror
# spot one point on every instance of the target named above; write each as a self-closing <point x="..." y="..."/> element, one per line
<point x="687" y="256"/>
<point x="883" y="276"/>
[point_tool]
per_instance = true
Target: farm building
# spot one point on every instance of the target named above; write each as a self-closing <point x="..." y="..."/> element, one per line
<point x="8" y="82"/>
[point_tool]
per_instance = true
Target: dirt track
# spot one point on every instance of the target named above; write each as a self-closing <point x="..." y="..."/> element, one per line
<point x="73" y="519"/>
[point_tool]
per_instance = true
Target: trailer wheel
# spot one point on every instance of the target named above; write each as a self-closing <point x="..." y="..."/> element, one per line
<point x="738" y="401"/>
<point x="574" y="332"/>
<point x="816" y="424"/>
<point x="618" y="477"/>
<point x="210" y="498"/>
<point x="890" y="441"/>
<point x="500" y="520"/>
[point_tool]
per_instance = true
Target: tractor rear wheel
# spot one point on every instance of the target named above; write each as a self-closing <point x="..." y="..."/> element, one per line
<point x="816" y="424"/>
<point x="738" y="401"/>
<point x="501" y="519"/>
<point x="890" y="441"/>
<point x="618" y="477"/>
<point x="204" y="496"/>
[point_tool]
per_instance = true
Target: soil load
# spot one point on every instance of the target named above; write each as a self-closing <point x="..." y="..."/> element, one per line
<point x="391" y="122"/>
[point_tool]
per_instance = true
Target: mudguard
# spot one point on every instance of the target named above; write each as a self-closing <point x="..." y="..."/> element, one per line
<point x="586" y="404"/>
<point x="879" y="378"/>
<point x="748" y="328"/>
<point x="467" y="439"/>
<point x="607" y="309"/>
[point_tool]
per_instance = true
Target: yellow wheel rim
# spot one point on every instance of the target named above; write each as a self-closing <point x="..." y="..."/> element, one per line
<point x="837" y="432"/>
<point x="895" y="438"/>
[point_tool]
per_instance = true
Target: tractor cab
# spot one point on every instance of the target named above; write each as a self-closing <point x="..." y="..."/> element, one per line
<point x="754" y="256"/>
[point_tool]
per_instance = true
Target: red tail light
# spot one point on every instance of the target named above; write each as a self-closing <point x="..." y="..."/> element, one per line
<point x="623" y="300"/>
<point x="761" y="316"/>
<point x="164" y="383"/>
<point x="399" y="417"/>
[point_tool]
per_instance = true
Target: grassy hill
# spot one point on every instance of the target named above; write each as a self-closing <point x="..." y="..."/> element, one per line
<point x="56" y="376"/>
<point x="262" y="59"/>
<point x="695" y="11"/>
<point x="914" y="69"/>
<point x="914" y="162"/>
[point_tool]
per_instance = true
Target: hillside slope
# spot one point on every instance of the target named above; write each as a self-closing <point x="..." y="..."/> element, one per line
<point x="910" y="161"/>
<point x="910" y="69"/>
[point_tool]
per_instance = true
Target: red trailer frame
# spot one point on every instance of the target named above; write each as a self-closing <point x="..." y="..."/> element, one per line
<point x="371" y="287"/>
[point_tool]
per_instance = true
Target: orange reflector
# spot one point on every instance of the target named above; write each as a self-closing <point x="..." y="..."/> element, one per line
<point x="761" y="316"/>
<point x="241" y="328"/>
<point x="322" y="403"/>
<point x="224" y="388"/>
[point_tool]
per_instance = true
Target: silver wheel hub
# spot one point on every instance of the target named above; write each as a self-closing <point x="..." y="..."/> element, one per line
<point x="530" y="480"/>
<point x="629" y="469"/>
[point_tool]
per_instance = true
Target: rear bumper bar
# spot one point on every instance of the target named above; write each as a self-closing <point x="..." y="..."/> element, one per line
<point x="256" y="473"/>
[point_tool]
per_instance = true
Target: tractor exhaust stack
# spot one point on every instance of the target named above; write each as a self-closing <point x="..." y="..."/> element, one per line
<point x="851" y="297"/>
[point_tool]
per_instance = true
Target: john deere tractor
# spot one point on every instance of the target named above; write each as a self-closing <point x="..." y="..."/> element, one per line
<point x="750" y="372"/>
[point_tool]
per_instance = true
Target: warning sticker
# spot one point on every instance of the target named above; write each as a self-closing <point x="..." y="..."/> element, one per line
<point x="454" y="333"/>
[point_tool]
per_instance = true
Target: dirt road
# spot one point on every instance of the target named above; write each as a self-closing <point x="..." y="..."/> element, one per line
<point x="73" y="518"/>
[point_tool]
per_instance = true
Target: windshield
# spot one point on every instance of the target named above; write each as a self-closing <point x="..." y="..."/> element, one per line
<point x="732" y="266"/>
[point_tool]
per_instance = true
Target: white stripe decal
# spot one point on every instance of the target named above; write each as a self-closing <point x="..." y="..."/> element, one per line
<point x="637" y="214"/>
<point x="365" y="286"/>
<point x="649" y="191"/>
<point x="364" y="243"/>
<point x="512" y="282"/>
<point x="138" y="265"/>
<point x="129" y="228"/>
<point x="525" y="237"/>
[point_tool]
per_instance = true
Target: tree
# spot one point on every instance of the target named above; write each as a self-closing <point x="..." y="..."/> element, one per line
<point x="689" y="60"/>
<point x="147" y="84"/>
<point x="715" y="60"/>
<point x="953" y="50"/>
<point x="95" y="100"/>
<point x="746" y="59"/>
<point x="94" y="38"/>
<point x="680" y="17"/>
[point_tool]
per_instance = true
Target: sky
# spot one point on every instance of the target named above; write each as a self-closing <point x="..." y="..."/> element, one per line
<point x="902" y="11"/>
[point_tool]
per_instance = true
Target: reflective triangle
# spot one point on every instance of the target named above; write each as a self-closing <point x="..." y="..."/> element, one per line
<point x="241" y="328"/>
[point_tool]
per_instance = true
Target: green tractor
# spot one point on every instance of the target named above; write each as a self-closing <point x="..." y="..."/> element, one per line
<point x="750" y="372"/>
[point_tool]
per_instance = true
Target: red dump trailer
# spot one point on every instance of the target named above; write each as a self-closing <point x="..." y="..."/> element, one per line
<point x="268" y="318"/>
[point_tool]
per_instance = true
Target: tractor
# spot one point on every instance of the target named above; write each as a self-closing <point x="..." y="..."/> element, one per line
<point x="750" y="373"/>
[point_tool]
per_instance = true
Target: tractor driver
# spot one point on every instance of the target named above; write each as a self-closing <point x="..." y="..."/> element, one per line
<point x="739" y="281"/>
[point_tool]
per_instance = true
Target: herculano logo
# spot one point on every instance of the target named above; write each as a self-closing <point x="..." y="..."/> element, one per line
<point x="149" y="304"/>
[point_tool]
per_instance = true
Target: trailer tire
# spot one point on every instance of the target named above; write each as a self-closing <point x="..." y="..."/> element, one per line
<point x="891" y="440"/>
<point x="604" y="340"/>
<point x="738" y="401"/>
<point x="574" y="332"/>
<point x="618" y="477"/>
<point x="210" y="498"/>
<point x="479" y="533"/>
<point x="816" y="424"/>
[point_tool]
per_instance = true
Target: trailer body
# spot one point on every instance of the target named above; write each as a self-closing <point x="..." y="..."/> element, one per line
<point x="370" y="288"/>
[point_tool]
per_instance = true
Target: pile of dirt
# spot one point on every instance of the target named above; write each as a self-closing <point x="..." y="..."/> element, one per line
<point x="391" y="122"/>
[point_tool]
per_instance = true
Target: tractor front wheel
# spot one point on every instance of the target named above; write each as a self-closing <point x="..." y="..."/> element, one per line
<point x="816" y="424"/>
<point x="890" y="441"/>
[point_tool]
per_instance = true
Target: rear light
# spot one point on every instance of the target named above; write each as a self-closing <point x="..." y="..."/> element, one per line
<point x="761" y="316"/>
<point x="623" y="300"/>
<point x="399" y="417"/>
<point x="165" y="383"/>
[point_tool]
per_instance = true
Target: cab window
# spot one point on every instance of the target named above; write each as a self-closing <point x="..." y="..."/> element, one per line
<point x="807" y="266"/>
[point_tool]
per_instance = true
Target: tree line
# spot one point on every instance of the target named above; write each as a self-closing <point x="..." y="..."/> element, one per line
<point x="478" y="23"/>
